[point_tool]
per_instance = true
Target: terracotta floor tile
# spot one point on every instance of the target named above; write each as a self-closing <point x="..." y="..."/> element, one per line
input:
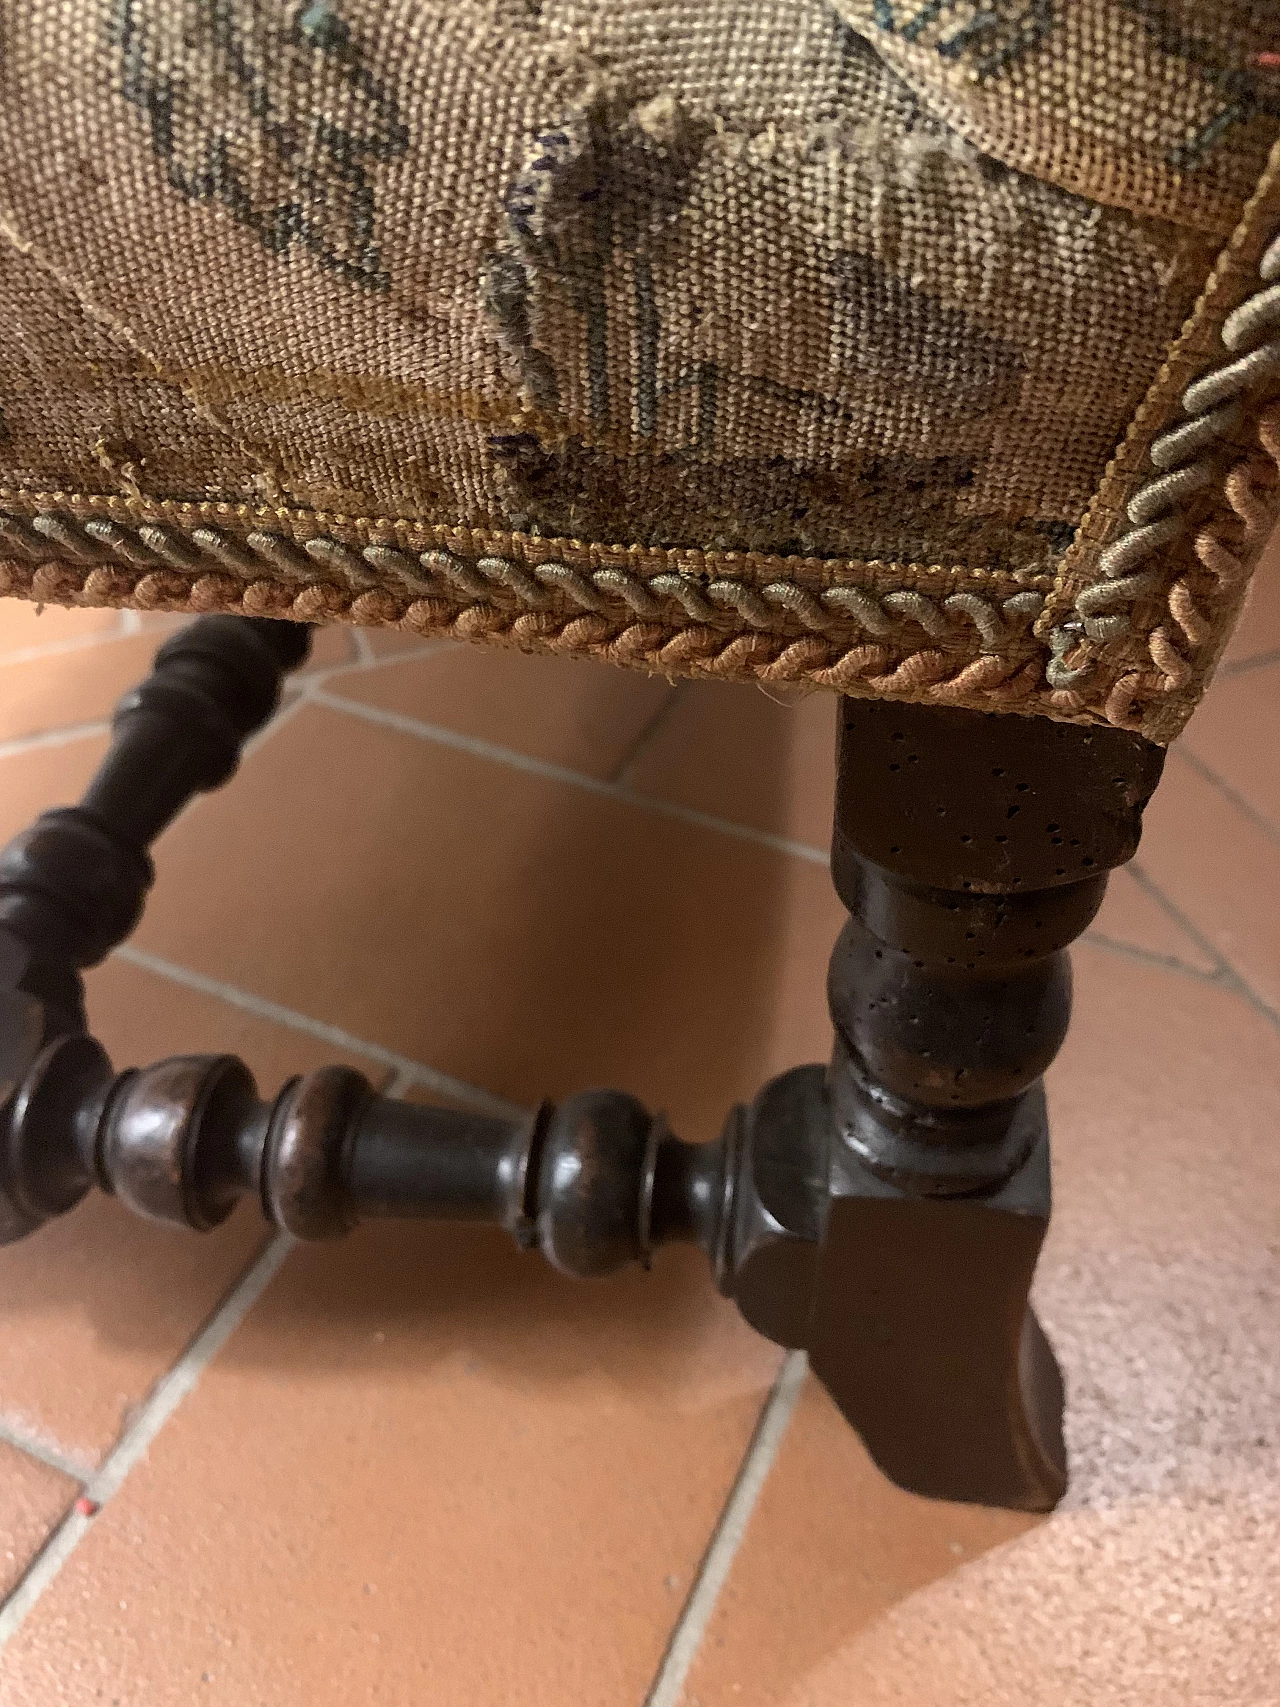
<point x="44" y="776"/>
<point x="331" y="647"/>
<point x="159" y="622"/>
<point x="33" y="1498"/>
<point x="740" y="753"/>
<point x="1220" y="869"/>
<point x="527" y="935"/>
<point x="832" y="1546"/>
<point x="139" y="1016"/>
<point x="1258" y="631"/>
<point x="1155" y="1582"/>
<point x="425" y="1469"/>
<point x="1236" y="732"/>
<point x="63" y="689"/>
<point x="389" y="642"/>
<point x="95" y="1306"/>
<point x="334" y="644"/>
<point x="571" y="711"/>
<point x="24" y="625"/>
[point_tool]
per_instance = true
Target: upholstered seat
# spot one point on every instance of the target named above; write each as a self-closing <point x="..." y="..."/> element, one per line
<point x="765" y="338"/>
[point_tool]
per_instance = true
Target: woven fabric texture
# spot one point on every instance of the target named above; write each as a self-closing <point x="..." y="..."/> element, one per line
<point x="764" y="338"/>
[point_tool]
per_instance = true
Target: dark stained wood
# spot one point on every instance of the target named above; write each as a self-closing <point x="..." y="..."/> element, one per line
<point x="970" y="850"/>
<point x="885" y="1213"/>
<point x="73" y="885"/>
<point x="596" y="1183"/>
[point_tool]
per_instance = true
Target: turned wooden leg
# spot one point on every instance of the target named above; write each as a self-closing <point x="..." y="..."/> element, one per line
<point x="885" y="1213"/>
<point x="970" y="850"/>
<point x="74" y="883"/>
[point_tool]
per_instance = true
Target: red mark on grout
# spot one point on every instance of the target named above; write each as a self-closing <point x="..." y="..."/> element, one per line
<point x="1267" y="58"/>
<point x="85" y="1507"/>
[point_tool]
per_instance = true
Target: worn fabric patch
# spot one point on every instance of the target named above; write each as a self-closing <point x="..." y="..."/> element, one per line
<point x="877" y="284"/>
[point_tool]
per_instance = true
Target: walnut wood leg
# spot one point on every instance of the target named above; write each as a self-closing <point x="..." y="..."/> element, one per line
<point x="969" y="850"/>
<point x="73" y="885"/>
<point x="885" y="1213"/>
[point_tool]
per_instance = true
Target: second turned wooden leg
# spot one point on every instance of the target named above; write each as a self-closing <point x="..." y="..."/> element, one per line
<point x="970" y="851"/>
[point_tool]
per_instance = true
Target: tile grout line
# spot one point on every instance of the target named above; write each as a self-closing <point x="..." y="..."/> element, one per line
<point x="169" y="1392"/>
<point x="61" y="648"/>
<point x="1143" y="878"/>
<point x="407" y="1073"/>
<point x="552" y="772"/>
<point x="181" y="1379"/>
<point x="54" y="1456"/>
<point x="1150" y="957"/>
<point x="66" y="733"/>
<point x="1206" y="773"/>
<point x="618" y="776"/>
<point x="401" y="1080"/>
<point x="311" y="689"/>
<point x="284" y="713"/>
<point x="62" y="737"/>
<point x="261" y="1007"/>
<point x="727" y="1537"/>
<point x="1226" y="976"/>
<point x="1244" y="666"/>
<point x="133" y="1445"/>
<point x="703" y="820"/>
<point x="365" y="664"/>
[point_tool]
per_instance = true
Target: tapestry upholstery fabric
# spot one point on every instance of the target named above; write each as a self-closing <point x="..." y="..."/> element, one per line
<point x="773" y="339"/>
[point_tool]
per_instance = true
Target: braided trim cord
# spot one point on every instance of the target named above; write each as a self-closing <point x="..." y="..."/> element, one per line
<point x="100" y="560"/>
<point x="1145" y="629"/>
<point x="959" y="648"/>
